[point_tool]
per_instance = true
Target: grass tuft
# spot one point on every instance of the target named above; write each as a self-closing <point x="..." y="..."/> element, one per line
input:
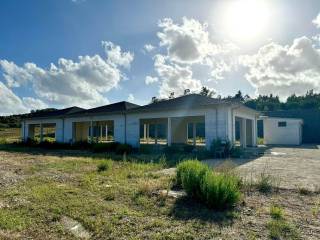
<point x="104" y="165"/>
<point x="276" y="212"/>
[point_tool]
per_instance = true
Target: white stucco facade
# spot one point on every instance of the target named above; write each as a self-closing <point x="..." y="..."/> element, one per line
<point x="284" y="131"/>
<point x="219" y="122"/>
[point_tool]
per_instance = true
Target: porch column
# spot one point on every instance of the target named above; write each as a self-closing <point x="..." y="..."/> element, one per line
<point x="91" y="131"/>
<point x="169" y="135"/>
<point x="243" y="137"/>
<point x="254" y="132"/>
<point x="156" y="134"/>
<point x="41" y="132"/>
<point x="106" y="132"/>
<point x="194" y="133"/>
<point x="148" y="131"/>
<point x="100" y="133"/>
<point x="145" y="132"/>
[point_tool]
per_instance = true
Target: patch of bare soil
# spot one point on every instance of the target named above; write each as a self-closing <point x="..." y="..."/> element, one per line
<point x="74" y="227"/>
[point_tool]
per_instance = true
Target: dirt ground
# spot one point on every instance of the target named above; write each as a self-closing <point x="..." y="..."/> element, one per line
<point x="291" y="167"/>
<point x="55" y="195"/>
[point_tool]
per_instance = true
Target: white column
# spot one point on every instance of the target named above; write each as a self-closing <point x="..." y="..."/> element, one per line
<point x="41" y="132"/>
<point x="156" y="134"/>
<point x="254" y="132"/>
<point x="106" y="132"/>
<point x="194" y="133"/>
<point x="244" y="132"/>
<point x="148" y="131"/>
<point x="169" y="133"/>
<point x="100" y="133"/>
<point x="91" y="131"/>
<point x="145" y="132"/>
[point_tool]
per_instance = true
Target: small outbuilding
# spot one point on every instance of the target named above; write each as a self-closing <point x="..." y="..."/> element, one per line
<point x="283" y="131"/>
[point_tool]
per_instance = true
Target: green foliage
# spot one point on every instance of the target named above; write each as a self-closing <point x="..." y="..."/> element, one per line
<point x="236" y="152"/>
<point x="276" y="212"/>
<point x="190" y="174"/>
<point x="124" y="149"/>
<point x="265" y="183"/>
<point x="220" y="191"/>
<point x="105" y="147"/>
<point x="219" y="148"/>
<point x="104" y="165"/>
<point x="280" y="229"/>
<point x="216" y="190"/>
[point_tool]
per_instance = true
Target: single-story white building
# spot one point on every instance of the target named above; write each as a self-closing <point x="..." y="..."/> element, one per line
<point x="189" y="119"/>
<point x="283" y="131"/>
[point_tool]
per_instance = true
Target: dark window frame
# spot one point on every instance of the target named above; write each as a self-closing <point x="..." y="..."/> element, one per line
<point x="282" y="124"/>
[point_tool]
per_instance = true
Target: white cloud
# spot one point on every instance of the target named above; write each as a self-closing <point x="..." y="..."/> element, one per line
<point x="33" y="103"/>
<point x="316" y="21"/>
<point x="70" y="83"/>
<point x="12" y="104"/>
<point x="116" y="56"/>
<point x="149" y="47"/>
<point x="284" y="70"/>
<point x="9" y="102"/>
<point x="130" y="97"/>
<point x="174" y="78"/>
<point x="150" y="80"/>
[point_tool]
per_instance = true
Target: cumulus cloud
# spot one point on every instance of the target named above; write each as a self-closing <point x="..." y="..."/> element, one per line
<point x="284" y="70"/>
<point x="69" y="82"/>
<point x="316" y="21"/>
<point x="150" y="80"/>
<point x="130" y="97"/>
<point x="149" y="47"/>
<point x="187" y="46"/>
<point x="10" y="103"/>
<point x="174" y="78"/>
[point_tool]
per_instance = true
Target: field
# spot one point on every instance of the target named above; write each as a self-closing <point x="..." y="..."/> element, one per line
<point x="79" y="195"/>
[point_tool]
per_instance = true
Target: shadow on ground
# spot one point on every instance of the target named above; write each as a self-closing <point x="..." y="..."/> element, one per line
<point x="187" y="209"/>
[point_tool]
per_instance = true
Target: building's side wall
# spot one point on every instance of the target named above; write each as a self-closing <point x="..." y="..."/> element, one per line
<point x="215" y="123"/>
<point x="289" y="135"/>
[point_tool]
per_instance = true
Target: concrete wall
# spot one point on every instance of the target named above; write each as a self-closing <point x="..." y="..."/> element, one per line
<point x="289" y="135"/>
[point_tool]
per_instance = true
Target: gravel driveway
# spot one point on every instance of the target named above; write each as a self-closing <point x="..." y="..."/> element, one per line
<point x="291" y="167"/>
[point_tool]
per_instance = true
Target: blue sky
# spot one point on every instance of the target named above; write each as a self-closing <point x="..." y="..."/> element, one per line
<point x="281" y="58"/>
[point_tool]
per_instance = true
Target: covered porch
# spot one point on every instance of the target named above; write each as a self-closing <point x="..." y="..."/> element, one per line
<point x="245" y="132"/>
<point x="93" y="131"/>
<point x="41" y="132"/>
<point x="173" y="130"/>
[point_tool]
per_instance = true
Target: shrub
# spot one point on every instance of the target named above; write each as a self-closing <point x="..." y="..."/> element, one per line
<point x="123" y="148"/>
<point x="264" y="184"/>
<point x="105" y="147"/>
<point x="220" y="191"/>
<point x="219" y="148"/>
<point x="280" y="229"/>
<point x="276" y="212"/>
<point x="104" y="165"/>
<point x="188" y="148"/>
<point x="236" y="152"/>
<point x="191" y="177"/>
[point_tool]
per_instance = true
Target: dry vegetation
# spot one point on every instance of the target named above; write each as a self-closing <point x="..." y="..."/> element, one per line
<point x="71" y="195"/>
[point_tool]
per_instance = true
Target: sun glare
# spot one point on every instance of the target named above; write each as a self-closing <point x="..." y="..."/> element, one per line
<point x="245" y="20"/>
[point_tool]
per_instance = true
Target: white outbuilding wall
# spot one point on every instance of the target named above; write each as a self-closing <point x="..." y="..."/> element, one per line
<point x="284" y="131"/>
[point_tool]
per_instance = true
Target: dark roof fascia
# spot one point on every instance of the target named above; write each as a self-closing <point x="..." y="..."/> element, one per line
<point x="137" y="110"/>
<point x="93" y="114"/>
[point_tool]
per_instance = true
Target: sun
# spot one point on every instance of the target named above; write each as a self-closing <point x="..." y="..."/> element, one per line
<point x="245" y="20"/>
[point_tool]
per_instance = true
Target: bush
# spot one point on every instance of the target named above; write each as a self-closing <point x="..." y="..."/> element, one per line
<point x="190" y="174"/>
<point x="105" y="147"/>
<point x="188" y="148"/>
<point x="219" y="148"/>
<point x="124" y="148"/>
<point x="104" y="166"/>
<point x="218" y="191"/>
<point x="276" y="212"/>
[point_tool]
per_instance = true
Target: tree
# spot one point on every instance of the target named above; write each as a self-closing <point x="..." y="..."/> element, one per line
<point x="205" y="91"/>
